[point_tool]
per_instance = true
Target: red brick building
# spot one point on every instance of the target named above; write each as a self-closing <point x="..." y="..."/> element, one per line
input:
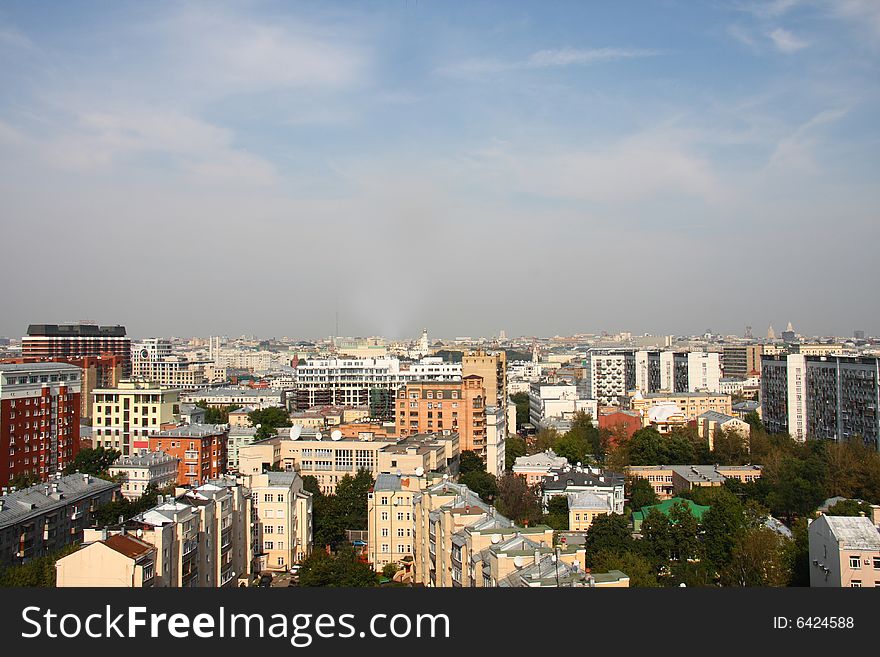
<point x="39" y="418"/>
<point x="620" y="423"/>
<point x="77" y="340"/>
<point x="201" y="449"/>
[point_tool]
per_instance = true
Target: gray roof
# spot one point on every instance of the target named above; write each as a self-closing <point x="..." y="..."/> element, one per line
<point x="561" y="479"/>
<point x="715" y="416"/>
<point x="387" y="482"/>
<point x="33" y="501"/>
<point x="235" y="392"/>
<point x="193" y="431"/>
<point x="28" y="367"/>
<point x="144" y="460"/>
<point x="854" y="533"/>
<point x="588" y="500"/>
<point x="281" y="478"/>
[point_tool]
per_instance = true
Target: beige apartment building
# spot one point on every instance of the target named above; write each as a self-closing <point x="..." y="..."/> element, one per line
<point x="669" y="480"/>
<point x="454" y="406"/>
<point x="140" y="471"/>
<point x="390" y="524"/>
<point x="126" y="416"/>
<point x="331" y="460"/>
<point x="845" y="551"/>
<point x="282" y="520"/>
<point x="200" y="538"/>
<point x="585" y="506"/>
<point x="692" y="404"/>
<point x="492" y="368"/>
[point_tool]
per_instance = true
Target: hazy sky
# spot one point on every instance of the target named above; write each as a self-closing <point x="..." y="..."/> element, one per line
<point x="544" y="167"/>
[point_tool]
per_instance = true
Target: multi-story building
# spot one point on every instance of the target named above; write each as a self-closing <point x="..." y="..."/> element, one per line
<point x="691" y="404"/>
<point x="822" y="397"/>
<point x="741" y="361"/>
<point x="496" y="439"/>
<point x="711" y="421"/>
<point x="201" y="538"/>
<point x="390" y="524"/>
<point x="282" y="519"/>
<point x="610" y="374"/>
<point x="152" y="360"/>
<point x="141" y="471"/>
<point x="535" y="467"/>
<point x="569" y="480"/>
<point x="454" y="406"/>
<point x="41" y="519"/>
<point x="669" y="480"/>
<point x="585" y="506"/>
<point x="237" y="438"/>
<point x="39" y="418"/>
<point x="256" y="398"/>
<point x="78" y="341"/>
<point x="557" y="402"/>
<point x="492" y="368"/>
<point x="331" y="460"/>
<point x="200" y="450"/>
<point x="126" y="416"/>
<point x="844" y="552"/>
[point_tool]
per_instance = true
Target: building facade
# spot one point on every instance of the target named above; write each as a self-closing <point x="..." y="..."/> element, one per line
<point x="126" y="416"/>
<point x="282" y="520"/>
<point x="78" y="341"/>
<point x="844" y="552"/>
<point x="200" y="450"/>
<point x="141" y="471"/>
<point x="39" y="418"/>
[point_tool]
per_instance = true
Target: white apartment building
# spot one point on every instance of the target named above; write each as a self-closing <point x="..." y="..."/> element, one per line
<point x="496" y="436"/>
<point x="140" y="471"/>
<point x="704" y="371"/>
<point x="557" y="401"/>
<point x="606" y="374"/>
<point x="256" y="398"/>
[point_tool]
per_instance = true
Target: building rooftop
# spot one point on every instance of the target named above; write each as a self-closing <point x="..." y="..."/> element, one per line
<point x="854" y="533"/>
<point x="75" y="330"/>
<point x="559" y="479"/>
<point x="665" y="507"/>
<point x="192" y="431"/>
<point x="41" y="366"/>
<point x="129" y="546"/>
<point x="715" y="416"/>
<point x="22" y="504"/>
<point x="143" y="460"/>
<point x="591" y="501"/>
<point x="547" y="459"/>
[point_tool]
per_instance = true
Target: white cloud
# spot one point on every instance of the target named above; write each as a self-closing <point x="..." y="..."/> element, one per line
<point x="786" y="41"/>
<point x="552" y="58"/>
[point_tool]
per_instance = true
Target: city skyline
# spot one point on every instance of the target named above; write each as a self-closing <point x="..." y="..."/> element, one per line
<point x="257" y="168"/>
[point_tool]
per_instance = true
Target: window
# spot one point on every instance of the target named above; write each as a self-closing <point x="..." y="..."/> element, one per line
<point x="268" y="545"/>
<point x="268" y="498"/>
<point x="855" y="562"/>
<point x="856" y="584"/>
<point x="385" y="547"/>
<point x="384" y="532"/>
<point x="279" y="529"/>
<point x="384" y="515"/>
<point x="267" y="529"/>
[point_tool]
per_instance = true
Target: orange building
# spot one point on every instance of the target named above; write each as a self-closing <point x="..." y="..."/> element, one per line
<point x="436" y="406"/>
<point x="620" y="423"/>
<point x="368" y="430"/>
<point x="200" y="448"/>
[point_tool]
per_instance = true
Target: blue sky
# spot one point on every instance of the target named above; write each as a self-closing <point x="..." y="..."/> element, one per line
<point x="667" y="166"/>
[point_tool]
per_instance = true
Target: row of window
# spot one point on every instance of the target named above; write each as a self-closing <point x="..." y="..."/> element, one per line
<point x="42" y="378"/>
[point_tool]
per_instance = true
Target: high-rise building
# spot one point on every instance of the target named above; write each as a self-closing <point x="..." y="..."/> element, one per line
<point x="152" y="359"/>
<point x="200" y="450"/>
<point x="741" y="360"/>
<point x="77" y="340"/>
<point x="493" y="369"/>
<point x="445" y="406"/>
<point x="282" y="520"/>
<point x="816" y="397"/>
<point x="609" y="375"/>
<point x="39" y="418"/>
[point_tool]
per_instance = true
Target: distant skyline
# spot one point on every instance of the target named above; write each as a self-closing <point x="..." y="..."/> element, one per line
<point x="546" y="168"/>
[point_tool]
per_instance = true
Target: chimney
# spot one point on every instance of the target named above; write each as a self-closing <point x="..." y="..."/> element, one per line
<point x="104" y="534"/>
<point x="537" y="556"/>
<point x="2" y="504"/>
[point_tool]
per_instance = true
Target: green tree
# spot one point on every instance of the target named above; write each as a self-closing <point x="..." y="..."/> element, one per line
<point x="24" y="480"/>
<point x="723" y="525"/>
<point x="557" y="513"/>
<point x="517" y="500"/>
<point x="729" y="448"/>
<point x="760" y="557"/>
<point x="546" y="439"/>
<point x="639" y="569"/>
<point x="342" y="569"/>
<point x="582" y="442"/>
<point x="796" y="485"/>
<point x="799" y="553"/>
<point x="608" y="533"/>
<point x="389" y="570"/>
<point x="469" y="461"/>
<point x="754" y="422"/>
<point x="514" y="447"/>
<point x="269" y="419"/>
<point x="521" y="399"/>
<point x="482" y="483"/>
<point x="216" y="415"/>
<point x="95" y="461"/>
<point x="850" y="508"/>
<point x="36" y="573"/>
<point x="641" y="493"/>
<point x="311" y="485"/>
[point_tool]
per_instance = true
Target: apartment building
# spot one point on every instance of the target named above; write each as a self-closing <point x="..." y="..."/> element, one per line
<point x="201" y="537"/>
<point x="331" y="460"/>
<point x="78" y="341"/>
<point x="256" y="398"/>
<point x="282" y="520"/>
<point x="585" y="506"/>
<point x="455" y="406"/>
<point x="41" y="519"/>
<point x="390" y="523"/>
<point x="610" y="374"/>
<point x="844" y="552"/>
<point x="692" y="404"/>
<point x="822" y="397"/>
<point x="200" y="450"/>
<point x="549" y="401"/>
<point x="496" y="439"/>
<point x="126" y="416"/>
<point x="669" y="480"/>
<point x="141" y="471"/>
<point x="237" y="438"/>
<point x="492" y="368"/>
<point x="152" y="359"/>
<point x="711" y="421"/>
<point x="741" y="361"/>
<point x="39" y="418"/>
<point x="536" y="467"/>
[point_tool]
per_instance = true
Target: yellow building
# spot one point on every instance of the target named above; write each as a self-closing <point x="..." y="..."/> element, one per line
<point x="691" y="404"/>
<point x="125" y="416"/>
<point x="493" y="369"/>
<point x="282" y="519"/>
